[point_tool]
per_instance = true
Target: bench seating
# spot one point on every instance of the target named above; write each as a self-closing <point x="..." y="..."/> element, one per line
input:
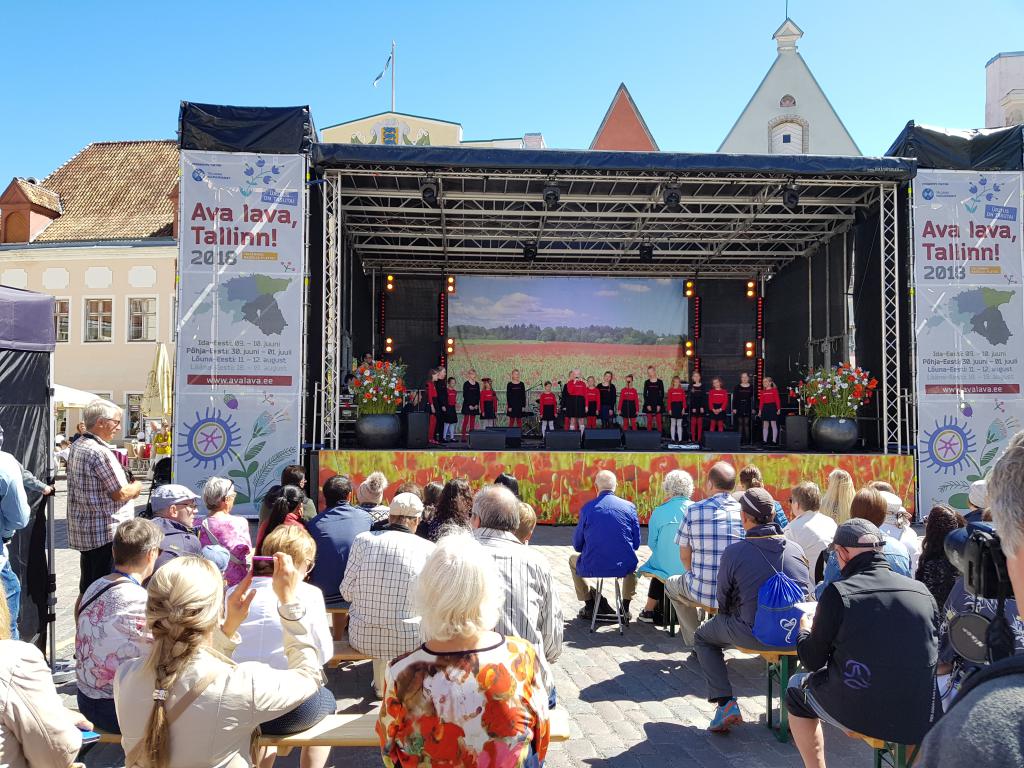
<point x="780" y="666"/>
<point x="888" y="752"/>
<point x="344" y="652"/>
<point x="351" y="730"/>
<point x="337" y="609"/>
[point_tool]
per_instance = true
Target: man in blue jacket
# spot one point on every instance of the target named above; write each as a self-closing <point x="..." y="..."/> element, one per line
<point x="607" y="538"/>
<point x="334" y="530"/>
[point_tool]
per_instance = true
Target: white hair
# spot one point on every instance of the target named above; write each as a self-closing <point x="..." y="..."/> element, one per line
<point x="495" y="506"/>
<point x="97" y="410"/>
<point x="459" y="591"/>
<point x="216" y="491"/>
<point x="678" y="483"/>
<point x="1006" y="496"/>
<point x="605" y="480"/>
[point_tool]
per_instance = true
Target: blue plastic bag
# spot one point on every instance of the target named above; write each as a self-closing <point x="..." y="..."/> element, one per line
<point x="777" y="620"/>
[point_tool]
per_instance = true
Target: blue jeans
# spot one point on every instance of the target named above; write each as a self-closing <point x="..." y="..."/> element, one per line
<point x="100" y="712"/>
<point x="12" y="591"/>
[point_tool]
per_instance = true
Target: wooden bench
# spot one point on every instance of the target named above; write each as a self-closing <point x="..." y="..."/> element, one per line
<point x="780" y="666"/>
<point x="339" y="621"/>
<point x="344" y="652"/>
<point x="888" y="752"/>
<point x="351" y="730"/>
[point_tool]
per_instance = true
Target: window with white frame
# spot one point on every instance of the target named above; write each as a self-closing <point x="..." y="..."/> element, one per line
<point x="142" y="319"/>
<point x="62" y="319"/>
<point x="99" y="320"/>
<point x="133" y="424"/>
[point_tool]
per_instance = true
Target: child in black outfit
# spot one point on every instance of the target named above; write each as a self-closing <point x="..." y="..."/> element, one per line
<point x="743" y="406"/>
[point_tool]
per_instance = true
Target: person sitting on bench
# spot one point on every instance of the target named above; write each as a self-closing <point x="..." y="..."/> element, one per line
<point x="334" y="530"/>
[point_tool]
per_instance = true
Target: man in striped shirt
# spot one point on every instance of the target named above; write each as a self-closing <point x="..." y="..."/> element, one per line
<point x="532" y="610"/>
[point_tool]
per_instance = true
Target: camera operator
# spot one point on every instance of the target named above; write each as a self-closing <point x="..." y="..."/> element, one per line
<point x="983" y="724"/>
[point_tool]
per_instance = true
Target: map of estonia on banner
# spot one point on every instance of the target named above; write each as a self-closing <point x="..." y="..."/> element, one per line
<point x="240" y="294"/>
<point x="969" y="261"/>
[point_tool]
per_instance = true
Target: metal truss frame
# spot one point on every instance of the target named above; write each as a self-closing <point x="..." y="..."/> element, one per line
<point x="892" y="411"/>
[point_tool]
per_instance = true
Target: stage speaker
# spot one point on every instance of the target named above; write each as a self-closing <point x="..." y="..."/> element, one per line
<point x="416" y="436"/>
<point x="796" y="433"/>
<point x="513" y="436"/>
<point x="642" y="440"/>
<point x="562" y="440"/>
<point x="602" y="439"/>
<point x="722" y="442"/>
<point x="486" y="440"/>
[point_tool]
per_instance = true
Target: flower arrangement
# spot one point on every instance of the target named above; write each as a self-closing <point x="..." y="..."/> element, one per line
<point x="835" y="392"/>
<point x="378" y="387"/>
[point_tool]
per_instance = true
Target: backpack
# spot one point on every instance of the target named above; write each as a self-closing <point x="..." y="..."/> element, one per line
<point x="777" y="621"/>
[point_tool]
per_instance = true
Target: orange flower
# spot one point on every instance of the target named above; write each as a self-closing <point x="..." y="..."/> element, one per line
<point x="523" y="665"/>
<point x="441" y="740"/>
<point x="495" y="682"/>
<point x="502" y="720"/>
<point x="378" y="365"/>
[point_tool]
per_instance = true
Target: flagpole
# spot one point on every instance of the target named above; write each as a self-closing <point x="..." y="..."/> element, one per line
<point x="392" y="75"/>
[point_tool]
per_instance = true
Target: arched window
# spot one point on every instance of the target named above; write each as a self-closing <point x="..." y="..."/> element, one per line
<point x="787" y="101"/>
<point x="16" y="228"/>
<point x="787" y="138"/>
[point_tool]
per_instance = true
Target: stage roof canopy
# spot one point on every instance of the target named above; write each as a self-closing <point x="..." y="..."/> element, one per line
<point x="731" y="219"/>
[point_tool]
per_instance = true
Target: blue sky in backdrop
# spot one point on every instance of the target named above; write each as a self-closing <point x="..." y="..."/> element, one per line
<point x="79" y="72"/>
<point x="655" y="304"/>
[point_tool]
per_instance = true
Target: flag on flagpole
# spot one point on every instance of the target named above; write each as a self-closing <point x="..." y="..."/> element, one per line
<point x="387" y="65"/>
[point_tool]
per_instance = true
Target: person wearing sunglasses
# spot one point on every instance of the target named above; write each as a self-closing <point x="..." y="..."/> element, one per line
<point x="174" y="512"/>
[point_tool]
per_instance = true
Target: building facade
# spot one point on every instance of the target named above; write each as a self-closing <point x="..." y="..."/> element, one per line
<point x="400" y="129"/>
<point x="1004" y="90"/>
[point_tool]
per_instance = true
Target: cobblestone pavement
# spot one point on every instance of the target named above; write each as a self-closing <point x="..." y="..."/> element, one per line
<point x="634" y="700"/>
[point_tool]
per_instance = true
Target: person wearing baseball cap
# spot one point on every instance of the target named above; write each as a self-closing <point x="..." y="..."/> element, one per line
<point x="174" y="512"/>
<point x="859" y="681"/>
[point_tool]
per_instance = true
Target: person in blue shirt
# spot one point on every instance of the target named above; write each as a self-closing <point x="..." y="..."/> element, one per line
<point x="661" y="538"/>
<point x="14" y="515"/>
<point x="606" y="538"/>
<point x="334" y="530"/>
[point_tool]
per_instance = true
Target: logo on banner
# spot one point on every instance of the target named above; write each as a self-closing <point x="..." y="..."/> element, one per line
<point x="928" y="193"/>
<point x="980" y="190"/>
<point x="198" y="174"/>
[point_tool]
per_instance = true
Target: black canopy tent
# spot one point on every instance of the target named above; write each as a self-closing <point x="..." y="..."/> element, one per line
<point x="27" y="341"/>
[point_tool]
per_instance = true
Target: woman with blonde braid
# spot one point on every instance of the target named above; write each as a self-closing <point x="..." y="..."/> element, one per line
<point x="188" y="704"/>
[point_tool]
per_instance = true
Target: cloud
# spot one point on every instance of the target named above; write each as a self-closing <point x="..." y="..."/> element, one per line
<point x="663" y="280"/>
<point x="636" y="287"/>
<point x="511" y="308"/>
<point x="606" y="294"/>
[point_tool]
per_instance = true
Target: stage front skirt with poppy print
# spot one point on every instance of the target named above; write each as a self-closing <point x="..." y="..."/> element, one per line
<point x="558" y="483"/>
<point x="480" y="708"/>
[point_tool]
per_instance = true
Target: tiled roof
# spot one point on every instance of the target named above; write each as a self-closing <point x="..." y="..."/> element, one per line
<point x="39" y="195"/>
<point x="117" y="190"/>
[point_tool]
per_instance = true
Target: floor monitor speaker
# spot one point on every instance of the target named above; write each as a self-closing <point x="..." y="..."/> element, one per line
<point x="562" y="440"/>
<point x="796" y="433"/>
<point x="642" y="440"/>
<point x="602" y="439"/>
<point x="416" y="429"/>
<point x="486" y="440"/>
<point x="722" y="442"/>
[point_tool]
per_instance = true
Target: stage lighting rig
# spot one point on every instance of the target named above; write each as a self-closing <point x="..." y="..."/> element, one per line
<point x="389" y="345"/>
<point x="449" y="284"/>
<point x="672" y="196"/>
<point x="791" y="197"/>
<point x="689" y="289"/>
<point x="430" y="190"/>
<point x="748" y="349"/>
<point x="530" y="251"/>
<point x="449" y="347"/>
<point x="647" y="252"/>
<point x="689" y="348"/>
<point x="552" y="195"/>
<point x="751" y="289"/>
<point x="390" y="283"/>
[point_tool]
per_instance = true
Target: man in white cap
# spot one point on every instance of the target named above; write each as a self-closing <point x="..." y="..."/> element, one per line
<point x="897" y="525"/>
<point x="977" y="500"/>
<point x="382" y="567"/>
<point x="174" y="512"/>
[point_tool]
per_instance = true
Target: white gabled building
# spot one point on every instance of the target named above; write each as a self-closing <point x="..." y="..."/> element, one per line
<point x="789" y="113"/>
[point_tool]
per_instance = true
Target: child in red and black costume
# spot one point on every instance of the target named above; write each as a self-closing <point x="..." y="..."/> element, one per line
<point x="574" y="396"/>
<point x="768" y="407"/>
<point x="451" y="417"/>
<point x="697" y="400"/>
<point x="593" y="399"/>
<point x="743" y="406"/>
<point x="548" y="409"/>
<point x="488" y="403"/>
<point x="606" y="408"/>
<point x="654" y="398"/>
<point x="629" y="404"/>
<point x="675" y="400"/>
<point x="515" y="400"/>
<point x="718" y="403"/>
<point x="470" y="403"/>
<point x="431" y="394"/>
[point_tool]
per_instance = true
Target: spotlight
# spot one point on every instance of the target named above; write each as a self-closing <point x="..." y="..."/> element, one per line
<point x="751" y="289"/>
<point x="672" y="196"/>
<point x="450" y="284"/>
<point x="390" y="285"/>
<point x="552" y="194"/>
<point x="790" y="197"/>
<point x="689" y="288"/>
<point x="449" y="347"/>
<point x="388" y="342"/>
<point x="749" y="349"/>
<point x="430" y="190"/>
<point x="689" y="348"/>
<point x="530" y="251"/>
<point x="647" y="252"/>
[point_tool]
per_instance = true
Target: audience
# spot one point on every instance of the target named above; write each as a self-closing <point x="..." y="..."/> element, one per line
<point x="527" y="522"/>
<point x="468" y="696"/>
<point x="370" y="495"/>
<point x="452" y="510"/>
<point x="934" y="569"/>
<point x="187" y="658"/>
<point x="382" y="568"/>
<point x="286" y="509"/>
<point x="431" y="495"/>
<point x="606" y="539"/>
<point x="410" y="487"/>
<point x="897" y="525"/>
<point x="35" y="728"/>
<point x="872" y="650"/>
<point x="174" y="512"/>
<point x="808" y="527"/>
<point x="664" y="561"/>
<point x="745" y="566"/>
<point x="509" y="482"/>
<point x="15" y="514"/>
<point x="111" y="620"/>
<point x="750" y="477"/>
<point x="333" y="532"/>
<point x="221" y="529"/>
<point x="710" y="526"/>
<point x="294" y="474"/>
<point x="838" y="497"/>
<point x="977" y="501"/>
<point x="530" y="609"/>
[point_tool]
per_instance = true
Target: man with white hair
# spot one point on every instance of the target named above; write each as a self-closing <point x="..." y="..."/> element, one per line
<point x="99" y="494"/>
<point x="531" y="608"/>
<point x="607" y="537"/>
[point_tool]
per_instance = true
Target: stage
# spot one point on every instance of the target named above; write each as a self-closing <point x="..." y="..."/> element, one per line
<point x="558" y="483"/>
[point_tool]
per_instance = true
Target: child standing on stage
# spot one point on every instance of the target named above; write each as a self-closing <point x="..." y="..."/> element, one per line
<point x="440" y="404"/>
<point x="431" y="395"/>
<point x="470" y="403"/>
<point x="451" y="412"/>
<point x="515" y="400"/>
<point x="654" y="398"/>
<point x="488" y="404"/>
<point x="697" y="400"/>
<point x="607" y="402"/>
<point x="574" y="395"/>
<point x="548" y="408"/>
<point x="593" y="399"/>
<point x="629" y="404"/>
<point x="718" y="402"/>
<point x="743" y="406"/>
<point x="768" y="409"/>
<point x="676" y="403"/>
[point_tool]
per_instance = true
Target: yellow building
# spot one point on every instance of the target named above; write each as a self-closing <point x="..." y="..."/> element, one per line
<point x="400" y="129"/>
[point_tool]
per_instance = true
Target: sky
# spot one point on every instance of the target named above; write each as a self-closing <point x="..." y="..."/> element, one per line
<point x="654" y="304"/>
<point x="82" y="72"/>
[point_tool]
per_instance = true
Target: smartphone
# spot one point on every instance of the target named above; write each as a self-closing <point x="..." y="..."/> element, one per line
<point x="89" y="737"/>
<point x="262" y="559"/>
<point x="262" y="566"/>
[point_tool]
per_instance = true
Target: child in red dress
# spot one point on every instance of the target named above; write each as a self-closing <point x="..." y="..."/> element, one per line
<point x="697" y="398"/>
<point x="629" y="404"/>
<point x="676" y="401"/>
<point x="488" y="403"/>
<point x="768" y="407"/>
<point x="718" y="401"/>
<point x="431" y="389"/>
<point x="548" y="408"/>
<point x="593" y="398"/>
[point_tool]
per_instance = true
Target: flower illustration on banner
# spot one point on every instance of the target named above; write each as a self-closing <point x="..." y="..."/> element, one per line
<point x="948" y="446"/>
<point x="257" y="173"/>
<point x="252" y="474"/>
<point x="208" y="440"/>
<point x="980" y="190"/>
<point x="996" y="435"/>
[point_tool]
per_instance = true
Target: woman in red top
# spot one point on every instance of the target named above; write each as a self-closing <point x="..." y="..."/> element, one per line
<point x="548" y="409"/>
<point x="431" y="390"/>
<point x="675" y="400"/>
<point x="629" y="404"/>
<point x="488" y="403"/>
<point x="593" y="398"/>
<point x="718" y="401"/>
<point x="768" y="407"/>
<point x="286" y="509"/>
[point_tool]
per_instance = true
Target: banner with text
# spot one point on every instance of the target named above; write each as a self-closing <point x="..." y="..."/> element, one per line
<point x="969" y="261"/>
<point x="241" y="267"/>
